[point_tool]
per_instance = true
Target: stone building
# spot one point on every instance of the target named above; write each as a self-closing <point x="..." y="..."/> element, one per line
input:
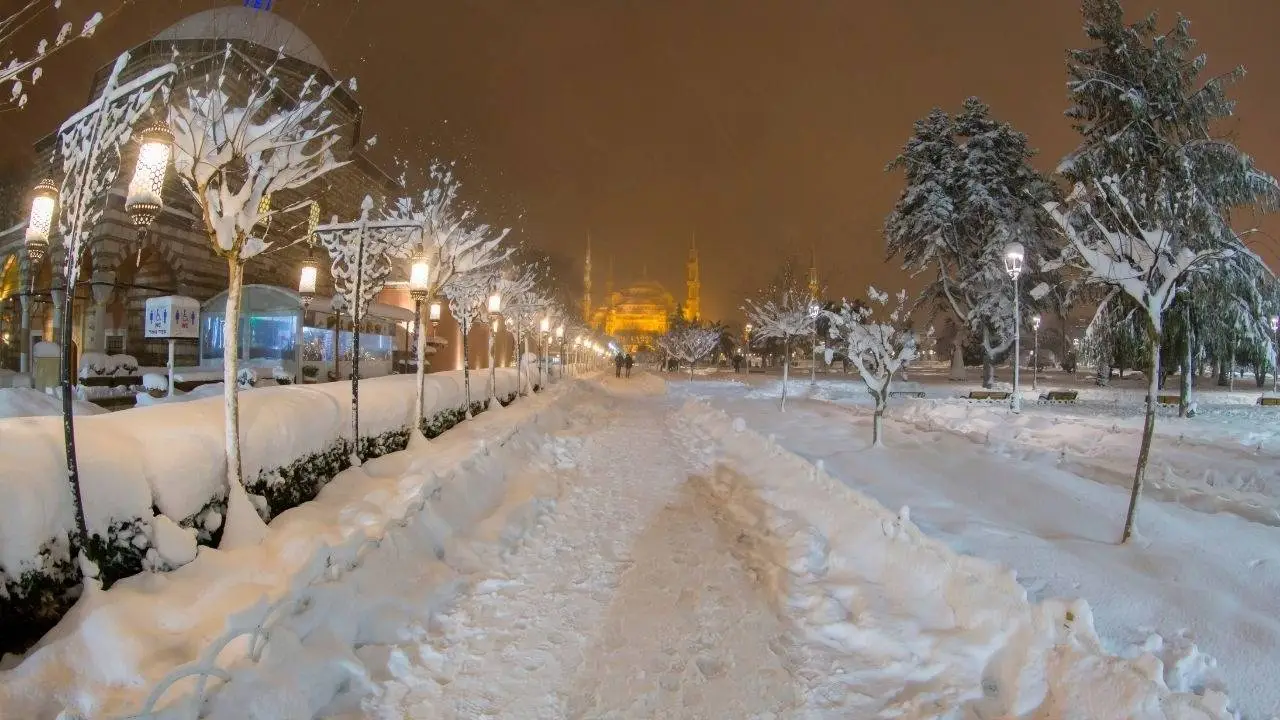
<point x="121" y="270"/>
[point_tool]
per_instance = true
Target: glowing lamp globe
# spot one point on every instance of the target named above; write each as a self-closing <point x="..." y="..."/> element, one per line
<point x="434" y="312"/>
<point x="1035" y="321"/>
<point x="145" y="198"/>
<point x="545" y="324"/>
<point x="1013" y="259"/>
<point x="43" y="202"/>
<point x="495" y="304"/>
<point x="560" y="332"/>
<point x="307" y="280"/>
<point x="420" y="279"/>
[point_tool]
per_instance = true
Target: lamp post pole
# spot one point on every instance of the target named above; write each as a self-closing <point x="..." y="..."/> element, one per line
<point x="1013" y="259"/>
<point x="1035" y="353"/>
<point x="89" y="145"/>
<point x="1275" y="340"/>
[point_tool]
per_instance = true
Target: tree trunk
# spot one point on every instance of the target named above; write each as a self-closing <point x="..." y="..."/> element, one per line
<point x="242" y="526"/>
<point x="877" y="420"/>
<point x="786" y="368"/>
<point x="1222" y="373"/>
<point x="692" y="363"/>
<point x="466" y="368"/>
<point x="1188" y="370"/>
<point x="231" y="368"/>
<point x="1148" y="432"/>
<point x="957" y="361"/>
<point x="988" y="362"/>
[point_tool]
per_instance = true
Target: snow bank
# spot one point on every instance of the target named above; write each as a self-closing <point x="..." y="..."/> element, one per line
<point x="881" y="601"/>
<point x="27" y="402"/>
<point x="309" y="581"/>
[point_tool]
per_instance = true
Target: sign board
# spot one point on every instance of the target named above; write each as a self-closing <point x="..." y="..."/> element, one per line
<point x="172" y="316"/>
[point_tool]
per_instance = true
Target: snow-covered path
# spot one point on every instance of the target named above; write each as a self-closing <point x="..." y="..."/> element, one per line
<point x="628" y="603"/>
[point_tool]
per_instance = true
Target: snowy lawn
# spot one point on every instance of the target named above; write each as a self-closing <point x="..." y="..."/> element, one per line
<point x="1195" y="577"/>
<point x="113" y="647"/>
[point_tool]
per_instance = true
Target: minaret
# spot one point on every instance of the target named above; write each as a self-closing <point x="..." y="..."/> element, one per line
<point x="693" y="299"/>
<point x="586" y="285"/>
<point x="814" y="287"/>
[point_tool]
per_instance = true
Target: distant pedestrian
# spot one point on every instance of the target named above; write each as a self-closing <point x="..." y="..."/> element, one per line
<point x="618" y="362"/>
<point x="629" y="362"/>
<point x="737" y="364"/>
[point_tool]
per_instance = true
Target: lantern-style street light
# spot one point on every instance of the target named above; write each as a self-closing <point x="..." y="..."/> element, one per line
<point x="419" y="292"/>
<point x="44" y="200"/>
<point x="307" y="278"/>
<point x="1035" y="352"/>
<point x="145" y="199"/>
<point x="1013" y="260"/>
<point x="814" y="309"/>
<point x="560" y="340"/>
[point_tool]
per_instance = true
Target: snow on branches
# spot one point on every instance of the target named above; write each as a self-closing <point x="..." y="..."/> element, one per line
<point x="789" y="314"/>
<point x="690" y="343"/>
<point x="879" y="350"/>
<point x="231" y="153"/>
<point x="17" y="72"/>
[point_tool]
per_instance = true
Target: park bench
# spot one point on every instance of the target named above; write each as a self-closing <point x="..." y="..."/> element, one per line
<point x="1059" y="396"/>
<point x="1164" y="399"/>
<point x="988" y="395"/>
<point x="1265" y="401"/>
<point x="906" y="393"/>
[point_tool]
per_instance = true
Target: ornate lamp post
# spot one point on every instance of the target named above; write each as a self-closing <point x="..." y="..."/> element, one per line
<point x="419" y="292"/>
<point x="544" y="326"/>
<point x="1035" y="352"/>
<point x="494" y="308"/>
<point x="89" y="147"/>
<point x="1013" y="259"/>
<point x="560" y="340"/>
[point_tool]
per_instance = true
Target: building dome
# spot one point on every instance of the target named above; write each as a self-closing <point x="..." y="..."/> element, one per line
<point x="241" y="23"/>
<point x="647" y="293"/>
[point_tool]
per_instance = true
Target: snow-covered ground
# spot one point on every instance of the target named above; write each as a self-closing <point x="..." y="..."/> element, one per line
<point x="1045" y="493"/>
<point x="27" y="402"/>
<point x="616" y="549"/>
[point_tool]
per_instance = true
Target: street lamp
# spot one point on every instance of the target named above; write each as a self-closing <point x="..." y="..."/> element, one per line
<point x="813" y="346"/>
<point x="419" y="291"/>
<point x="43" y="202"/>
<point x="544" y="325"/>
<point x="307" y="279"/>
<point x="1013" y="259"/>
<point x="560" y="339"/>
<point x="495" y="313"/>
<point x="144" y="202"/>
<point x="1035" y="352"/>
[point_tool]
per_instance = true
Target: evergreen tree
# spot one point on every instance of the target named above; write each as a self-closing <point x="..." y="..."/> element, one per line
<point x="970" y="190"/>
<point x="1154" y="186"/>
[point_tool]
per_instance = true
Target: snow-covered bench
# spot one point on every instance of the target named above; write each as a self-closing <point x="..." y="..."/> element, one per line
<point x="1060" y="397"/>
<point x="988" y="395"/>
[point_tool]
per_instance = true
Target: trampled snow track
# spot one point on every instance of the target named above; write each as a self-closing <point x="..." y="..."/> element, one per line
<point x="628" y="603"/>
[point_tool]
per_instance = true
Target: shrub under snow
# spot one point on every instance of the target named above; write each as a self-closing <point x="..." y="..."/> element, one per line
<point x="167" y="460"/>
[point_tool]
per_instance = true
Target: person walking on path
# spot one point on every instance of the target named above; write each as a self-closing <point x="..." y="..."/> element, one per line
<point x="629" y="362"/>
<point x="617" y="365"/>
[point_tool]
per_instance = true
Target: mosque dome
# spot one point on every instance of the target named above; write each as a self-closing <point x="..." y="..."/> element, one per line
<point x="241" y="23"/>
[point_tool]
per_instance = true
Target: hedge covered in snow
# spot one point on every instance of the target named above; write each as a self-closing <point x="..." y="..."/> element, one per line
<point x="148" y="470"/>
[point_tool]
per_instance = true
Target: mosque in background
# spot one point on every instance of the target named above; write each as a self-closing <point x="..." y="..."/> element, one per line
<point x="638" y="314"/>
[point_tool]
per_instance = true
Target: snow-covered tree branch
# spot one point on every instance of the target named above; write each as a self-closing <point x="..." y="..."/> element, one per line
<point x="878" y="349"/>
<point x="690" y="343"/>
<point x="17" y="71"/>
<point x="788" y="315"/>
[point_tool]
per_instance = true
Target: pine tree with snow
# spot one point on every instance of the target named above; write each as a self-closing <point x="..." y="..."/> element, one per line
<point x="970" y="190"/>
<point x="1154" y="185"/>
<point x="232" y="153"/>
<point x="878" y="349"/>
<point x="785" y="312"/>
<point x="19" y="71"/>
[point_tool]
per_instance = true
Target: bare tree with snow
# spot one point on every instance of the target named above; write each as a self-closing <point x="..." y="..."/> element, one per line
<point x="690" y="343"/>
<point x="476" y="259"/>
<point x="788" y="314"/>
<point x="21" y="70"/>
<point x="878" y="349"/>
<point x="231" y="154"/>
<point x="1153" y="186"/>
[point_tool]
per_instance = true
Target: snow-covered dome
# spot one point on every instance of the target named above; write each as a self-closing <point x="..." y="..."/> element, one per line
<point x="241" y="23"/>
